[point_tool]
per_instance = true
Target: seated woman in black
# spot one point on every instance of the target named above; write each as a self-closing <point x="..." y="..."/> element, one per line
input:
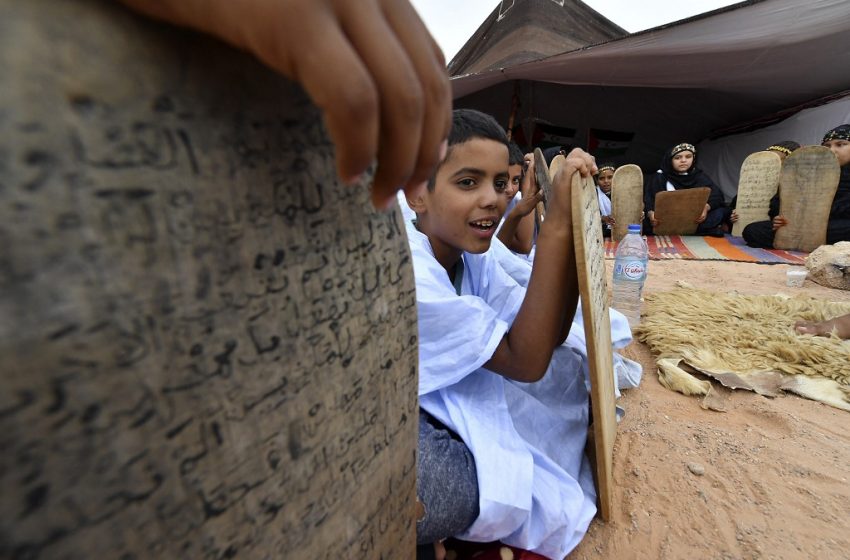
<point x="761" y="234"/>
<point x="679" y="171"/>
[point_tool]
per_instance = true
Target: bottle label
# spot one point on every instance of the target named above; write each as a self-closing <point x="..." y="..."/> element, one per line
<point x="633" y="270"/>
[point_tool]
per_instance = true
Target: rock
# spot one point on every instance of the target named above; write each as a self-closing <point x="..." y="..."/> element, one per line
<point x="696" y="469"/>
<point x="829" y="265"/>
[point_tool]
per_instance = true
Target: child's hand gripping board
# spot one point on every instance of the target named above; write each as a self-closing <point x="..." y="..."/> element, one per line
<point x="807" y="186"/>
<point x="590" y="263"/>
<point x="626" y="199"/>
<point x="757" y="184"/>
<point x="676" y="211"/>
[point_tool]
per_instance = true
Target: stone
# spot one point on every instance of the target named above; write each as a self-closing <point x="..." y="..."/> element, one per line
<point x="829" y="265"/>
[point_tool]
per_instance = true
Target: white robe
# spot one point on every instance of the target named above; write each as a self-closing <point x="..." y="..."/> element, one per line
<point x="535" y="483"/>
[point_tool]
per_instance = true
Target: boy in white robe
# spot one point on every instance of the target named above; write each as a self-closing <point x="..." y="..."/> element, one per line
<point x="505" y="408"/>
<point x="516" y="228"/>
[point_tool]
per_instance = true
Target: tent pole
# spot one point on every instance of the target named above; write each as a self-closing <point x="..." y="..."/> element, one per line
<point x="514" y="108"/>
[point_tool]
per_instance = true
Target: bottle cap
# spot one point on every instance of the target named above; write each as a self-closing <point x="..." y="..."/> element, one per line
<point x="634" y="228"/>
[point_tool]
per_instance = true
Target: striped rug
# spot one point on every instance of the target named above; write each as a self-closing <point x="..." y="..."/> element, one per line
<point x="728" y="248"/>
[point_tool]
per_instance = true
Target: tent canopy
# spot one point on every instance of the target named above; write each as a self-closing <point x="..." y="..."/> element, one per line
<point x="519" y="31"/>
<point x="680" y="82"/>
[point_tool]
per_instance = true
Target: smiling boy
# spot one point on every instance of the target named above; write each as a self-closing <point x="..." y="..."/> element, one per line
<point x="504" y="408"/>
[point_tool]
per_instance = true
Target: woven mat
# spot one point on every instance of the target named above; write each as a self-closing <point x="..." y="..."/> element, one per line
<point x="728" y="248"/>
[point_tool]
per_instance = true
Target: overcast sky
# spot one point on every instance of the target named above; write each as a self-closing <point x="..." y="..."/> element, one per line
<point x="452" y="22"/>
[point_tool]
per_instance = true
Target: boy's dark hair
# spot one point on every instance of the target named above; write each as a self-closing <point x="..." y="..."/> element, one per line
<point x="515" y="155"/>
<point x="469" y="124"/>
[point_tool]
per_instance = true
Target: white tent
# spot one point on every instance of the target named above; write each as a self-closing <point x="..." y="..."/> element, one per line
<point x="688" y="81"/>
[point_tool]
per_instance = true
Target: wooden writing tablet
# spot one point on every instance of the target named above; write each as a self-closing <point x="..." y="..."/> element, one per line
<point x="807" y="187"/>
<point x="676" y="211"/>
<point x="757" y="184"/>
<point x="626" y="199"/>
<point x="590" y="260"/>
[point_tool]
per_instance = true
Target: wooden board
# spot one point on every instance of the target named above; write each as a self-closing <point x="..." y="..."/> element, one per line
<point x="208" y="343"/>
<point x="555" y="166"/>
<point x="590" y="259"/>
<point x="807" y="187"/>
<point x="544" y="183"/>
<point x="626" y="199"/>
<point x="758" y="182"/>
<point x="677" y="210"/>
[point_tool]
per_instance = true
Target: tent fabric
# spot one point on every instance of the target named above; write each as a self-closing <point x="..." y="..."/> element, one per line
<point x="683" y="81"/>
<point x="523" y="30"/>
<point x="725" y="155"/>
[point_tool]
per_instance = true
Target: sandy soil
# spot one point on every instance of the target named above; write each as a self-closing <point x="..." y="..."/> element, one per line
<point x="769" y="478"/>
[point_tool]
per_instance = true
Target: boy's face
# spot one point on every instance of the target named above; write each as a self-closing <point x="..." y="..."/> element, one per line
<point x="841" y="149"/>
<point x="515" y="174"/>
<point x="605" y="179"/>
<point x="463" y="210"/>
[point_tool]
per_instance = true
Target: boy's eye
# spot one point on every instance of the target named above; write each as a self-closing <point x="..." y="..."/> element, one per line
<point x="501" y="185"/>
<point x="466" y="182"/>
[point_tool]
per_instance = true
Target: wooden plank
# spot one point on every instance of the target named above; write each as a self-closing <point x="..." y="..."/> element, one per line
<point x="807" y="187"/>
<point x="626" y="199"/>
<point x="676" y="211"/>
<point x="593" y="286"/>
<point x="555" y="166"/>
<point x="758" y="182"/>
<point x="544" y="183"/>
<point x="208" y="342"/>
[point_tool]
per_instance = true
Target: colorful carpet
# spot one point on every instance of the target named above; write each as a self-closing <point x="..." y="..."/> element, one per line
<point x="728" y="248"/>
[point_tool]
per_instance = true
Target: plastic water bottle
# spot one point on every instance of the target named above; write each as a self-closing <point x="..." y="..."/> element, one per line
<point x="630" y="264"/>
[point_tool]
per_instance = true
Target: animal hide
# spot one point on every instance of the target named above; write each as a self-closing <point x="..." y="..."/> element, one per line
<point x="745" y="342"/>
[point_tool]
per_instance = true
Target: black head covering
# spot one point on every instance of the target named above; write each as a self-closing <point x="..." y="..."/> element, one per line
<point x="841" y="132"/>
<point x="692" y="178"/>
<point x="550" y="153"/>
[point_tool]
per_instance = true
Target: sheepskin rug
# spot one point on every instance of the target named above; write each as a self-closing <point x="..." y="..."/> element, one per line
<point x="745" y="342"/>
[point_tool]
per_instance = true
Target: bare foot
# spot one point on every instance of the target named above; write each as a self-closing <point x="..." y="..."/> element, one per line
<point x="439" y="550"/>
<point x="840" y="325"/>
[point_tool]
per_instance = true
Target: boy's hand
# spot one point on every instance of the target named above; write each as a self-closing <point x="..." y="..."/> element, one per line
<point x="577" y="161"/>
<point x="370" y="66"/>
<point x="701" y="218"/>
<point x="528" y="186"/>
<point x="734" y="217"/>
<point x="778" y="222"/>
<point x="527" y="204"/>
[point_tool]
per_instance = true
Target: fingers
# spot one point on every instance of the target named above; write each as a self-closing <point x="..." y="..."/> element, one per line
<point x="529" y="183"/>
<point x="430" y="67"/>
<point x="807" y="327"/>
<point x="375" y="73"/>
<point x="582" y="162"/>
<point x="400" y="99"/>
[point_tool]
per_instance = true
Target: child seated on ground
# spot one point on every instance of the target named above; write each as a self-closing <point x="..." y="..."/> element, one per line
<point x="783" y="150"/>
<point x="504" y="408"/>
<point x="516" y="229"/>
<point x="604" y="180"/>
<point x="679" y="171"/>
<point x="761" y="234"/>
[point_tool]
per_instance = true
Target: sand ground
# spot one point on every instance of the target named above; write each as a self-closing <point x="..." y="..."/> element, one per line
<point x="769" y="478"/>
